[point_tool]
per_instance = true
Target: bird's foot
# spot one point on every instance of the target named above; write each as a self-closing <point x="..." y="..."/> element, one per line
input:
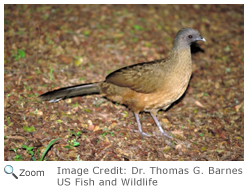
<point x="144" y="134"/>
<point x="167" y="135"/>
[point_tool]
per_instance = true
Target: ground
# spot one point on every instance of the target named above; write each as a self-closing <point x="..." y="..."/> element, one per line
<point x="52" y="46"/>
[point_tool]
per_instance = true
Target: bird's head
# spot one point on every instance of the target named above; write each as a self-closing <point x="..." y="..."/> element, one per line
<point x="186" y="36"/>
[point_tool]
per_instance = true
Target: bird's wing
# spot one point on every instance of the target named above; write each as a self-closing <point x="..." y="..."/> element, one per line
<point x="143" y="77"/>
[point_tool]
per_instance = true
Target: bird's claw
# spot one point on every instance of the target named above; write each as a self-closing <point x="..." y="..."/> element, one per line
<point x="144" y="134"/>
<point x="167" y="135"/>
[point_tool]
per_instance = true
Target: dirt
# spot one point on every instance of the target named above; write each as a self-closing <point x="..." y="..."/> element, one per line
<point x="52" y="46"/>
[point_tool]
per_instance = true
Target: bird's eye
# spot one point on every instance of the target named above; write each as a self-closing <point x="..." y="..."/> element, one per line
<point x="190" y="36"/>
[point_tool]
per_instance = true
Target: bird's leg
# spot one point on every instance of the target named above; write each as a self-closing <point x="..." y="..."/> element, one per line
<point x="160" y="128"/>
<point x="139" y="125"/>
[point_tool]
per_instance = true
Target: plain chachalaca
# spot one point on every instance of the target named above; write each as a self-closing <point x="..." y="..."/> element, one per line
<point x="148" y="87"/>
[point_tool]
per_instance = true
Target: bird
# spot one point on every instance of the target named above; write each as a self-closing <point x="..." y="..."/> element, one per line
<point x="143" y="87"/>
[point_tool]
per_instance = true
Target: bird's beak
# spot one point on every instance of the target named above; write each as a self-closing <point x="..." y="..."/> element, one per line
<point x="202" y="39"/>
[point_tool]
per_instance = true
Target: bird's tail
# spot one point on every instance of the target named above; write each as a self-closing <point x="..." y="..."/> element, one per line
<point x="69" y="92"/>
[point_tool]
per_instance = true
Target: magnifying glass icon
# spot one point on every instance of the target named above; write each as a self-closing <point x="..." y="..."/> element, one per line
<point x="9" y="170"/>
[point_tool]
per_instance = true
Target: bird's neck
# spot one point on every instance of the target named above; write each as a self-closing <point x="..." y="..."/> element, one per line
<point x="180" y="47"/>
<point x="180" y="62"/>
<point x="181" y="55"/>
